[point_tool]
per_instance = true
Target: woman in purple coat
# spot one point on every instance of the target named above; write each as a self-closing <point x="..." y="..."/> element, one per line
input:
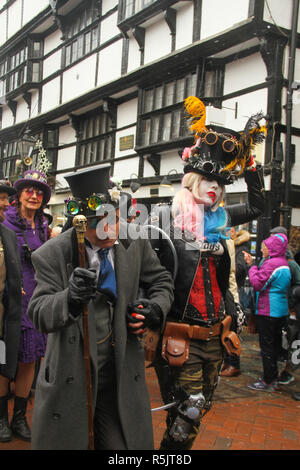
<point x="25" y="218"/>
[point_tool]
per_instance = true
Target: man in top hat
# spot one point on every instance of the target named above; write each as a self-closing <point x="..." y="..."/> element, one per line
<point x="10" y="309"/>
<point x="116" y="267"/>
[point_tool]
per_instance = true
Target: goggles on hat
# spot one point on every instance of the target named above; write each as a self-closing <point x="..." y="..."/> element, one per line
<point x="93" y="202"/>
<point x="212" y="137"/>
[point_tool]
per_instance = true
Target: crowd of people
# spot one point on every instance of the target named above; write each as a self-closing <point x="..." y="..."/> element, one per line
<point x="85" y="302"/>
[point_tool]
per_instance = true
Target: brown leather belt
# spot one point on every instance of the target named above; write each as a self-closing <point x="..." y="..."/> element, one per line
<point x="203" y="332"/>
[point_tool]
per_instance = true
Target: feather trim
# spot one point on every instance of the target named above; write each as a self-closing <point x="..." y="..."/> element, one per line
<point x="196" y="109"/>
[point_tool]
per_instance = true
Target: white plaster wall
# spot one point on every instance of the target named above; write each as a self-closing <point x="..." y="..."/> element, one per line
<point x="124" y="168"/>
<point x="248" y="104"/>
<point x="295" y="176"/>
<point x="3" y="28"/>
<point x="109" y="28"/>
<point x="108" y="5"/>
<point x="134" y="54"/>
<point x="52" y="41"/>
<point x="52" y="64"/>
<point x="169" y="161"/>
<point x="50" y="95"/>
<point x="33" y="8"/>
<point x="243" y="73"/>
<point x="22" y="111"/>
<point x="218" y="15"/>
<point x="7" y="117"/>
<point x="295" y="220"/>
<point x="127" y="113"/>
<point x="14" y="18"/>
<point x="184" y="25"/>
<point x="157" y="41"/>
<point x="110" y="63"/>
<point x="125" y="132"/>
<point x="281" y="13"/>
<point x="34" y="103"/>
<point x="66" y="135"/>
<point x="66" y="158"/>
<point x="79" y="79"/>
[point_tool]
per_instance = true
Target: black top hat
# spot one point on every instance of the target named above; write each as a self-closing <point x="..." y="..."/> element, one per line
<point x="94" y="192"/>
<point x="5" y="187"/>
<point x="220" y="153"/>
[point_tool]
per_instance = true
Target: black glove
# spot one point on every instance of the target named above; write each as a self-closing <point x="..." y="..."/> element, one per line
<point x="82" y="288"/>
<point x="151" y="311"/>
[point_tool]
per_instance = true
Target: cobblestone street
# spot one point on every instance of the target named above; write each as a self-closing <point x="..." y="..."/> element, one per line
<point x="241" y="419"/>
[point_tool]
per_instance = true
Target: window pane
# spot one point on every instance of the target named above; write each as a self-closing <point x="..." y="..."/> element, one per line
<point x="68" y="54"/>
<point x="74" y="50"/>
<point x="155" y="129"/>
<point x="158" y="97"/>
<point x="36" y="49"/>
<point x="87" y="42"/>
<point x="176" y="124"/>
<point x="94" y="38"/>
<point x="101" y="149"/>
<point x="35" y="72"/>
<point x="166" y="126"/>
<point x="191" y="85"/>
<point x="209" y="83"/>
<point x="179" y="90"/>
<point x="80" y="47"/>
<point x="145" y="134"/>
<point x="148" y="101"/>
<point x="169" y="94"/>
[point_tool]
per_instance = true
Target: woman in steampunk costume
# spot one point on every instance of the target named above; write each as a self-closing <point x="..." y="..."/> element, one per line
<point x="25" y="217"/>
<point x="202" y="316"/>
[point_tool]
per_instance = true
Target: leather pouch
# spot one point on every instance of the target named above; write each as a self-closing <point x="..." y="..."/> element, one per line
<point x="230" y="339"/>
<point x="150" y="341"/>
<point x="175" y="344"/>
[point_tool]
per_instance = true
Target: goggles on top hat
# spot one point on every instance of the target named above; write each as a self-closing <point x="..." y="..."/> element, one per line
<point x="93" y="203"/>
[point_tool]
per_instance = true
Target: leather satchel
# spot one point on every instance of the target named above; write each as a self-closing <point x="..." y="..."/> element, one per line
<point x="230" y="339"/>
<point x="175" y="343"/>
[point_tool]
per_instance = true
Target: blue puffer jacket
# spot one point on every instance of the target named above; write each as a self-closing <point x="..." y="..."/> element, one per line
<point x="271" y="280"/>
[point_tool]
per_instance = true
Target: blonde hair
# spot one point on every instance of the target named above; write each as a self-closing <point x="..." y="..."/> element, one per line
<point x="191" y="181"/>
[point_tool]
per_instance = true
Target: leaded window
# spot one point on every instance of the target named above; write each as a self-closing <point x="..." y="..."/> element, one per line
<point x="82" y="33"/>
<point x="96" y="139"/>
<point x="162" y="116"/>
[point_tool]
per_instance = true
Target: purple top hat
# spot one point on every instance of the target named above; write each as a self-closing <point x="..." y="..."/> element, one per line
<point x="37" y="179"/>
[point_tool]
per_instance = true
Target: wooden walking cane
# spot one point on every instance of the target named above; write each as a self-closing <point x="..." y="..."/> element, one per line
<point x="80" y="223"/>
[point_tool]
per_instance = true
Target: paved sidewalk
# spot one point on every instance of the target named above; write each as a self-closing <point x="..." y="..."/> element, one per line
<point x="241" y="419"/>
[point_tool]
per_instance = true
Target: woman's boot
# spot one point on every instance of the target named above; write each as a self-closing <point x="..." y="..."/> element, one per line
<point x="5" y="431"/>
<point x="19" y="424"/>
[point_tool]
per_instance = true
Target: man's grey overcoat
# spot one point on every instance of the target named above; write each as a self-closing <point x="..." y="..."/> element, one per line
<point x="60" y="418"/>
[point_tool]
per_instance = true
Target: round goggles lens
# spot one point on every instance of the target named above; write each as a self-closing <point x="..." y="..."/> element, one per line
<point x="211" y="138"/>
<point x="73" y="207"/>
<point x="94" y="203"/>
<point x="228" y="145"/>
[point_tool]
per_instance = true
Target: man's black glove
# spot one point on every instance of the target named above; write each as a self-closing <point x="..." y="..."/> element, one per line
<point x="82" y="288"/>
<point x="149" y="310"/>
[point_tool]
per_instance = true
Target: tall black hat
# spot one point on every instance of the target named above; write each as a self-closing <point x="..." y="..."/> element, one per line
<point x="94" y="192"/>
<point x="219" y="152"/>
<point x="6" y="187"/>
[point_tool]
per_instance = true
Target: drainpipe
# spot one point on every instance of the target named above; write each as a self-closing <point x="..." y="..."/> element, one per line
<point x="287" y="167"/>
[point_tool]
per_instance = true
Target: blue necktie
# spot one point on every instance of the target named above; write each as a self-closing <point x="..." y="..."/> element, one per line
<point x="107" y="280"/>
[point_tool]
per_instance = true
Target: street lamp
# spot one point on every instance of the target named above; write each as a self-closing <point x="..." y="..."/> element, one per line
<point x="166" y="182"/>
<point x="26" y="147"/>
<point x="134" y="185"/>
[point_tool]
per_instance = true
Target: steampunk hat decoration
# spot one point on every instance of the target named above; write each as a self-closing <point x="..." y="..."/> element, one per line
<point x="38" y="176"/>
<point x="94" y="192"/>
<point x="219" y="152"/>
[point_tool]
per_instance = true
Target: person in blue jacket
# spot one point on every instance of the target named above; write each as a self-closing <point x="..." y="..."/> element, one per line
<point x="271" y="282"/>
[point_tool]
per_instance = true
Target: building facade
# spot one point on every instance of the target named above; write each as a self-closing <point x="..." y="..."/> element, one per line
<point x="103" y="81"/>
